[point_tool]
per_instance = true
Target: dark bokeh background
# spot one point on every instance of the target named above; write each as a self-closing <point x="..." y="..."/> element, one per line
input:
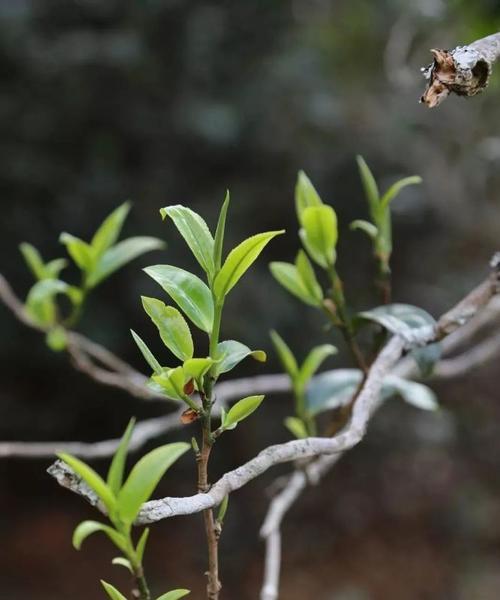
<point x="166" y="101"/>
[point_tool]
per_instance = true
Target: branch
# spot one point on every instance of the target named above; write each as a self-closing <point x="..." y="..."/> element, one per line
<point x="464" y="71"/>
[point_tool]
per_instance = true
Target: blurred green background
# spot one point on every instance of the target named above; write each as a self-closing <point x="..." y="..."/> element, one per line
<point x="170" y="101"/>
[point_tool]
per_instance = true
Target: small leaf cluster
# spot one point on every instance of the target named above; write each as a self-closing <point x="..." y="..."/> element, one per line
<point x="201" y="303"/>
<point x="96" y="260"/>
<point x="302" y="424"/>
<point x="123" y="500"/>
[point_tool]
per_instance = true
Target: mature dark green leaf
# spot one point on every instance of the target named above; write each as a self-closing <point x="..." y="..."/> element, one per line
<point x="320" y="233"/>
<point x="144" y="478"/>
<point x="241" y="410"/>
<point x="289" y="277"/>
<point x="109" y="231"/>
<point x="173" y="329"/>
<point x="117" y="467"/>
<point x="305" y="195"/>
<point x="285" y="355"/>
<point x="332" y="389"/>
<point x="239" y="260"/>
<point x="87" y="528"/>
<point x="413" y="393"/>
<point x="146" y="352"/>
<point x="188" y="291"/>
<point x="399" y="318"/>
<point x="112" y="592"/>
<point x="219" y="234"/>
<point x="427" y="357"/>
<point x="92" y="479"/>
<point x="230" y="353"/>
<point x="119" y="255"/>
<point x="195" y="232"/>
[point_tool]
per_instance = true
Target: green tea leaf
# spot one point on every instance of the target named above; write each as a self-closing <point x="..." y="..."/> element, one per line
<point x="289" y="277"/>
<point x="81" y="253"/>
<point x="413" y="393"/>
<point x="239" y="260"/>
<point x="172" y="326"/>
<point x="195" y="368"/>
<point x="144" y="478"/>
<point x="174" y="595"/>
<point x="223" y="509"/>
<point x="285" y="355"/>
<point x="54" y="267"/>
<point x="40" y="302"/>
<point x="146" y="352"/>
<point x="332" y="389"/>
<point x="92" y="479"/>
<point x="305" y="195"/>
<point x="188" y="291"/>
<point x="308" y="277"/>
<point x="219" y="234"/>
<point x="57" y="339"/>
<point x="427" y="357"/>
<point x="141" y="544"/>
<point x="369" y="228"/>
<point x="195" y="232"/>
<point x="399" y="318"/>
<point x="320" y="227"/>
<point x="33" y="260"/>
<point x="371" y="188"/>
<point x="172" y="382"/>
<point x="123" y="562"/>
<point x="313" y="362"/>
<point x="119" y="255"/>
<point x="115" y="473"/>
<point x="112" y="592"/>
<point x="230" y="353"/>
<point x="109" y="231"/>
<point x="87" y="528"/>
<point x="297" y="427"/>
<point x="394" y="190"/>
<point x="241" y="410"/>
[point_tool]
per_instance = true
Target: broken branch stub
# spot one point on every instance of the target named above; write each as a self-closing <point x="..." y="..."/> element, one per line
<point x="464" y="71"/>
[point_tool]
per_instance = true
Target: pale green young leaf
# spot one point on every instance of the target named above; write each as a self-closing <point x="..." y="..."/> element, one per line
<point x="230" y="353"/>
<point x="312" y="251"/>
<point x="123" y="562"/>
<point x="109" y="231"/>
<point x="119" y="255"/>
<point x="320" y="226"/>
<point x="40" y="302"/>
<point x="189" y="292"/>
<point x="174" y="595"/>
<point x="308" y="277"/>
<point x="241" y="410"/>
<point x="223" y="509"/>
<point x="149" y="357"/>
<point x="285" y="355"/>
<point x="195" y="232"/>
<point x="92" y="479"/>
<point x="219" y="233"/>
<point x="141" y="544"/>
<point x="117" y="467"/>
<point x="54" y="267"/>
<point x="57" y="338"/>
<point x="296" y="426"/>
<point x="195" y="368"/>
<point x="173" y="329"/>
<point x="81" y="252"/>
<point x="239" y="260"/>
<point x="33" y="260"/>
<point x="369" y="228"/>
<point x="112" y="592"/>
<point x="87" y="528"/>
<point x="144" y="478"/>
<point x="305" y="194"/>
<point x="172" y="382"/>
<point x="288" y="276"/>
<point x="313" y="362"/>
<point x="370" y="187"/>
<point x="394" y="190"/>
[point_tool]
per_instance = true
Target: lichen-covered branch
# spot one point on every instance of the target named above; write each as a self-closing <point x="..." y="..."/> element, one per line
<point x="464" y="71"/>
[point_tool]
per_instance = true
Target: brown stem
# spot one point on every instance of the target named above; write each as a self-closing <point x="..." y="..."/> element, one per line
<point x="212" y="531"/>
